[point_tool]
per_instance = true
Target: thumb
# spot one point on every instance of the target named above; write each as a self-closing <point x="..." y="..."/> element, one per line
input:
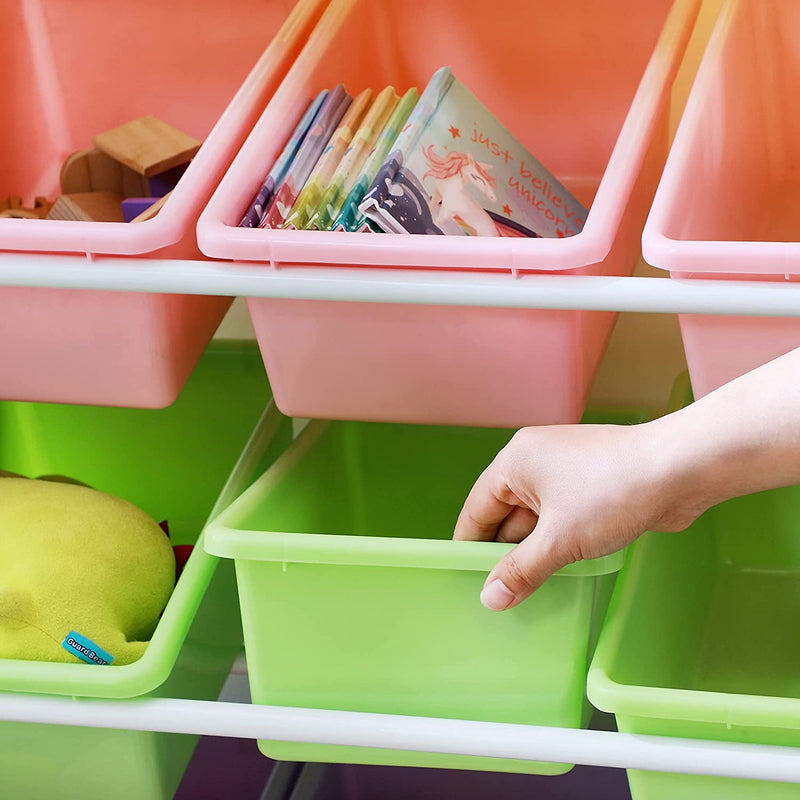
<point x="525" y="568"/>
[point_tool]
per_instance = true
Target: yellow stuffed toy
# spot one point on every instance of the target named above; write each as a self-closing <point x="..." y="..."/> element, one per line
<point x="84" y="576"/>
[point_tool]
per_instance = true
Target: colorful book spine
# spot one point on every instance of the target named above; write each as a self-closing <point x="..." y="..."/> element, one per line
<point x="261" y="202"/>
<point x="456" y="170"/>
<point x="379" y="192"/>
<point x="353" y="160"/>
<point x="350" y="218"/>
<point x="324" y="170"/>
<point x="329" y="116"/>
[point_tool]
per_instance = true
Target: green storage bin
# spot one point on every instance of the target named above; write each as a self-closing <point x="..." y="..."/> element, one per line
<point x="701" y="641"/>
<point x="173" y="463"/>
<point x="354" y="596"/>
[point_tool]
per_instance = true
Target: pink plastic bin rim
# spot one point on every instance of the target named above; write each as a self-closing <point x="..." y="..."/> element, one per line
<point x="218" y="238"/>
<point x="182" y="208"/>
<point x="740" y="259"/>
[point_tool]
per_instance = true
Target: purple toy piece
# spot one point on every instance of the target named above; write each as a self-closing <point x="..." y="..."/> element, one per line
<point x="165" y="182"/>
<point x="133" y="206"/>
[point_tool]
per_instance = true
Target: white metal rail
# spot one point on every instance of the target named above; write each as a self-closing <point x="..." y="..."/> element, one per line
<point x="583" y="292"/>
<point x="495" y="740"/>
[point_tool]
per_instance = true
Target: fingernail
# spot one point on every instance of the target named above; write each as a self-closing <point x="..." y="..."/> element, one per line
<point x="496" y="596"/>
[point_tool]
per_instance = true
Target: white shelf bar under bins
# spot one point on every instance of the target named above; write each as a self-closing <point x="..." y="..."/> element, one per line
<point x="425" y="287"/>
<point x="499" y="740"/>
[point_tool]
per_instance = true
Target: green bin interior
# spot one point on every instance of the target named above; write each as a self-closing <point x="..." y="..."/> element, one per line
<point x="701" y="641"/>
<point x="354" y="596"/>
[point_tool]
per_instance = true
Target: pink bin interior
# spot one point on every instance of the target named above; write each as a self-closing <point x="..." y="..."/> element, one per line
<point x="562" y="77"/>
<point x="74" y="69"/>
<point x="586" y="87"/>
<point x="728" y="203"/>
<point x="79" y="68"/>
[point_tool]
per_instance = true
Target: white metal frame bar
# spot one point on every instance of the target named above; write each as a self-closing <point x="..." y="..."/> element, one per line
<point x="581" y="292"/>
<point x="495" y="740"/>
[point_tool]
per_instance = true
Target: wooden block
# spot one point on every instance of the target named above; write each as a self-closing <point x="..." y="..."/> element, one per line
<point x="91" y="170"/>
<point x="149" y="213"/>
<point x="11" y="202"/>
<point x="75" y="173"/>
<point x="19" y="213"/>
<point x="12" y="208"/>
<point x="165" y="182"/>
<point x="147" y="145"/>
<point x="88" y="207"/>
<point x="42" y="206"/>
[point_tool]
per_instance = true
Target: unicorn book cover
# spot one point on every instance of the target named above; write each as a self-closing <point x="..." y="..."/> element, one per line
<point x="455" y="169"/>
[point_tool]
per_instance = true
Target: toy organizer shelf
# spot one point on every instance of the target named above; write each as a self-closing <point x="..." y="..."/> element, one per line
<point x="599" y="748"/>
<point x="167" y="275"/>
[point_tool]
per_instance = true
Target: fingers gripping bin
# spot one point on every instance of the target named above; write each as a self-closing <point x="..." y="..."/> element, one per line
<point x="346" y="540"/>
<point x="700" y="641"/>
<point x="726" y="208"/>
<point x="585" y="87"/>
<point x="76" y="71"/>
<point x="171" y="463"/>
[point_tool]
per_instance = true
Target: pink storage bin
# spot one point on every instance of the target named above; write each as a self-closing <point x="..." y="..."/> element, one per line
<point x="585" y="86"/>
<point x="75" y="69"/>
<point x="728" y="202"/>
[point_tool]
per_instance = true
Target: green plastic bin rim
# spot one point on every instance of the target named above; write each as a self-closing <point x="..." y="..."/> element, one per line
<point x="689" y="705"/>
<point x="128" y="680"/>
<point x="657" y="702"/>
<point x="226" y="536"/>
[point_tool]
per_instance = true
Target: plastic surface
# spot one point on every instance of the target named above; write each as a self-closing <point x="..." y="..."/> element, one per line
<point x="699" y="641"/>
<point x="726" y="206"/>
<point x="77" y="71"/>
<point x="593" y="128"/>
<point x="348" y="539"/>
<point x="601" y="129"/>
<point x="185" y="73"/>
<point x="348" y="782"/>
<point x="172" y="463"/>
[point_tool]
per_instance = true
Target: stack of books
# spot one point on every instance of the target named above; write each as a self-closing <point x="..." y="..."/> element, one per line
<point x="439" y="163"/>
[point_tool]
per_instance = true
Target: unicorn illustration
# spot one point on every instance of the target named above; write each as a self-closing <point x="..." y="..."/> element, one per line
<point x="452" y="175"/>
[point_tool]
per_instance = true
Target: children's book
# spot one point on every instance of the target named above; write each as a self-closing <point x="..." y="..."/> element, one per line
<point x="352" y="161"/>
<point x="456" y="170"/>
<point x="263" y="198"/>
<point x="350" y="218"/>
<point x="325" y="123"/>
<point x="308" y="199"/>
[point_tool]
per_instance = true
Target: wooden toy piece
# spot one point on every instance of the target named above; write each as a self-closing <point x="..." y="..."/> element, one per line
<point x="147" y="145"/>
<point x="11" y="202"/>
<point x="165" y="182"/>
<point x="91" y="170"/>
<point x="12" y="208"/>
<point x="19" y="213"/>
<point x="88" y="207"/>
<point x="149" y="213"/>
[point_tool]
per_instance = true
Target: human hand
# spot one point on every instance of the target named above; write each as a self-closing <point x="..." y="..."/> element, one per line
<point x="572" y="492"/>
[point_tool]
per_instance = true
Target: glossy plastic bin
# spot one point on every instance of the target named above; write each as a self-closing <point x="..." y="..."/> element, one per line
<point x="74" y="70"/>
<point x="585" y="86"/>
<point x="700" y="641"/>
<point x="354" y="596"/>
<point x="727" y="206"/>
<point x="349" y="782"/>
<point x="173" y="464"/>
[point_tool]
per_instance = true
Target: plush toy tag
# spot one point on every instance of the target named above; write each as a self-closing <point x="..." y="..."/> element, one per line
<point x="85" y="649"/>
